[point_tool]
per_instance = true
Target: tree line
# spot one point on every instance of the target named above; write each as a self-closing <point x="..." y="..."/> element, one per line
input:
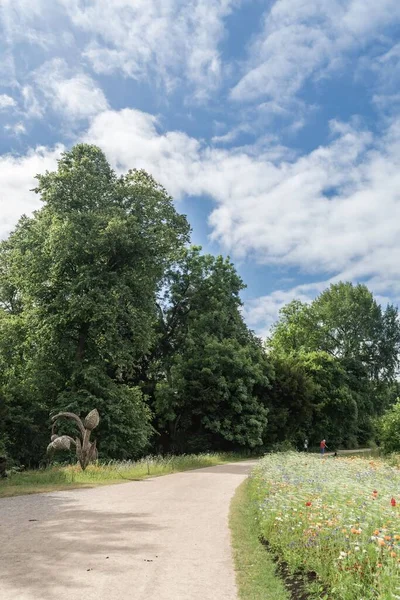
<point x="105" y="304"/>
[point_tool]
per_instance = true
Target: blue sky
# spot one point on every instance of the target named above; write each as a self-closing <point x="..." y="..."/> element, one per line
<point x="273" y="123"/>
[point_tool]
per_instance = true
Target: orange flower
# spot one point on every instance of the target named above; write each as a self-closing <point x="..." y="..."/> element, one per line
<point x="381" y="543"/>
<point x="388" y="537"/>
<point x="393" y="554"/>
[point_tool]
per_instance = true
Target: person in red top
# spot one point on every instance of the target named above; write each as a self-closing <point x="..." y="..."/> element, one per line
<point x="322" y="446"/>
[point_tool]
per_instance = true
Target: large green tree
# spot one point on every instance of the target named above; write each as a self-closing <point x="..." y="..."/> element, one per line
<point x="346" y="322"/>
<point x="78" y="286"/>
<point x="389" y="429"/>
<point x="207" y="364"/>
<point x="362" y="340"/>
<point x="310" y="398"/>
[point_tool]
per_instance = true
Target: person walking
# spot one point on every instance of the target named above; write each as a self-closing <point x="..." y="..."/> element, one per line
<point x="322" y="447"/>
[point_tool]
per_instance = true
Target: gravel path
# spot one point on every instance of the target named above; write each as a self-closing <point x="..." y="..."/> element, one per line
<point x="345" y="452"/>
<point x="165" y="538"/>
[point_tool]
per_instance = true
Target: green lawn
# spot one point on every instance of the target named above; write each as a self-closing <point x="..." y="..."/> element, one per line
<point x="255" y="570"/>
<point x="69" y="477"/>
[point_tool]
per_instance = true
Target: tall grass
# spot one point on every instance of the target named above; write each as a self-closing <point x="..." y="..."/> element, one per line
<point x="255" y="569"/>
<point x="100" y="473"/>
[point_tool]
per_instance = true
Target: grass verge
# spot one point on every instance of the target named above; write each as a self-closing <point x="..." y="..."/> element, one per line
<point x="69" y="477"/>
<point x="255" y="570"/>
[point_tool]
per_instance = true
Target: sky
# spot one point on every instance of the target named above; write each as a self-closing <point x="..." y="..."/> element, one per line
<point x="274" y="124"/>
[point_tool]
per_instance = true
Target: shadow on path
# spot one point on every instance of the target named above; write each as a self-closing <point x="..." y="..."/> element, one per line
<point x="43" y="538"/>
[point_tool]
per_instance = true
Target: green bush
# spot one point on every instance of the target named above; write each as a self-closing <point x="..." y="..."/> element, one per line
<point x="389" y="429"/>
<point x="285" y="446"/>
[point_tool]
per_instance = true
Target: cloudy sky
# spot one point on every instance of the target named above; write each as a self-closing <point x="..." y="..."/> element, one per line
<point x="275" y="124"/>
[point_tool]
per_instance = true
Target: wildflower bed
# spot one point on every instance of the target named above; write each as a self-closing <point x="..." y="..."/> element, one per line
<point x="337" y="518"/>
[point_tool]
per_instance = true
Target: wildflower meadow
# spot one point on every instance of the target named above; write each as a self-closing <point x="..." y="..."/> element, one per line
<point x="333" y="520"/>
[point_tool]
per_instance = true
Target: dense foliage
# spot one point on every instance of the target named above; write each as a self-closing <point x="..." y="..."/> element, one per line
<point x="77" y="289"/>
<point x="336" y="362"/>
<point x="104" y="304"/>
<point x="389" y="429"/>
<point x="211" y="364"/>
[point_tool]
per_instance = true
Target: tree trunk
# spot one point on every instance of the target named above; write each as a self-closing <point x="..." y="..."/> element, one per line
<point x="83" y="333"/>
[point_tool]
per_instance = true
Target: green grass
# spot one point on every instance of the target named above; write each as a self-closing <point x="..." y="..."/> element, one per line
<point x="69" y="477"/>
<point x="255" y="570"/>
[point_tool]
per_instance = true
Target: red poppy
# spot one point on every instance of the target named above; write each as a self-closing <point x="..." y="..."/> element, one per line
<point x="393" y="502"/>
<point x="308" y="503"/>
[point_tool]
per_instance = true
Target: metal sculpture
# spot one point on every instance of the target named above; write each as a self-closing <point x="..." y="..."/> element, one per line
<point x="86" y="451"/>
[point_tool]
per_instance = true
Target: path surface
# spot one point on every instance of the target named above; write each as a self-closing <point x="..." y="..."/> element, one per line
<point x="165" y="538"/>
<point x="345" y="452"/>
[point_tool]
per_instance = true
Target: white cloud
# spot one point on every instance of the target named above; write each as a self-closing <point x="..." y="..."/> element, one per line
<point x="165" y="41"/>
<point x="300" y="40"/>
<point x="74" y="95"/>
<point x="32" y="22"/>
<point x="232" y="135"/>
<point x="168" y="39"/>
<point x="33" y="109"/>
<point x="17" y="179"/>
<point x="130" y="139"/>
<point x="6" y="102"/>
<point x="16" y="129"/>
<point x="261" y="313"/>
<point x="334" y="211"/>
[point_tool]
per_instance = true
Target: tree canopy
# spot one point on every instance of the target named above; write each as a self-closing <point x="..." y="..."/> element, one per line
<point x="347" y="346"/>
<point x="78" y="291"/>
<point x="104" y="304"/>
<point x="346" y="322"/>
<point x="210" y="364"/>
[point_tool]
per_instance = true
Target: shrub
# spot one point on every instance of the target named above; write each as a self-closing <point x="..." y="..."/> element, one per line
<point x="389" y="429"/>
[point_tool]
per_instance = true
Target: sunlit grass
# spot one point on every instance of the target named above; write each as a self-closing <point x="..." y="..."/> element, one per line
<point x="255" y="570"/>
<point x="65" y="477"/>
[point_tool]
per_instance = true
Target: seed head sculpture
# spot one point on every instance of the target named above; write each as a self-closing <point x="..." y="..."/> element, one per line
<point x="86" y="451"/>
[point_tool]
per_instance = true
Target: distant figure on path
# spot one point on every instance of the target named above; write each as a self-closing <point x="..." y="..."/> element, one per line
<point x="305" y="445"/>
<point x="322" y="447"/>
